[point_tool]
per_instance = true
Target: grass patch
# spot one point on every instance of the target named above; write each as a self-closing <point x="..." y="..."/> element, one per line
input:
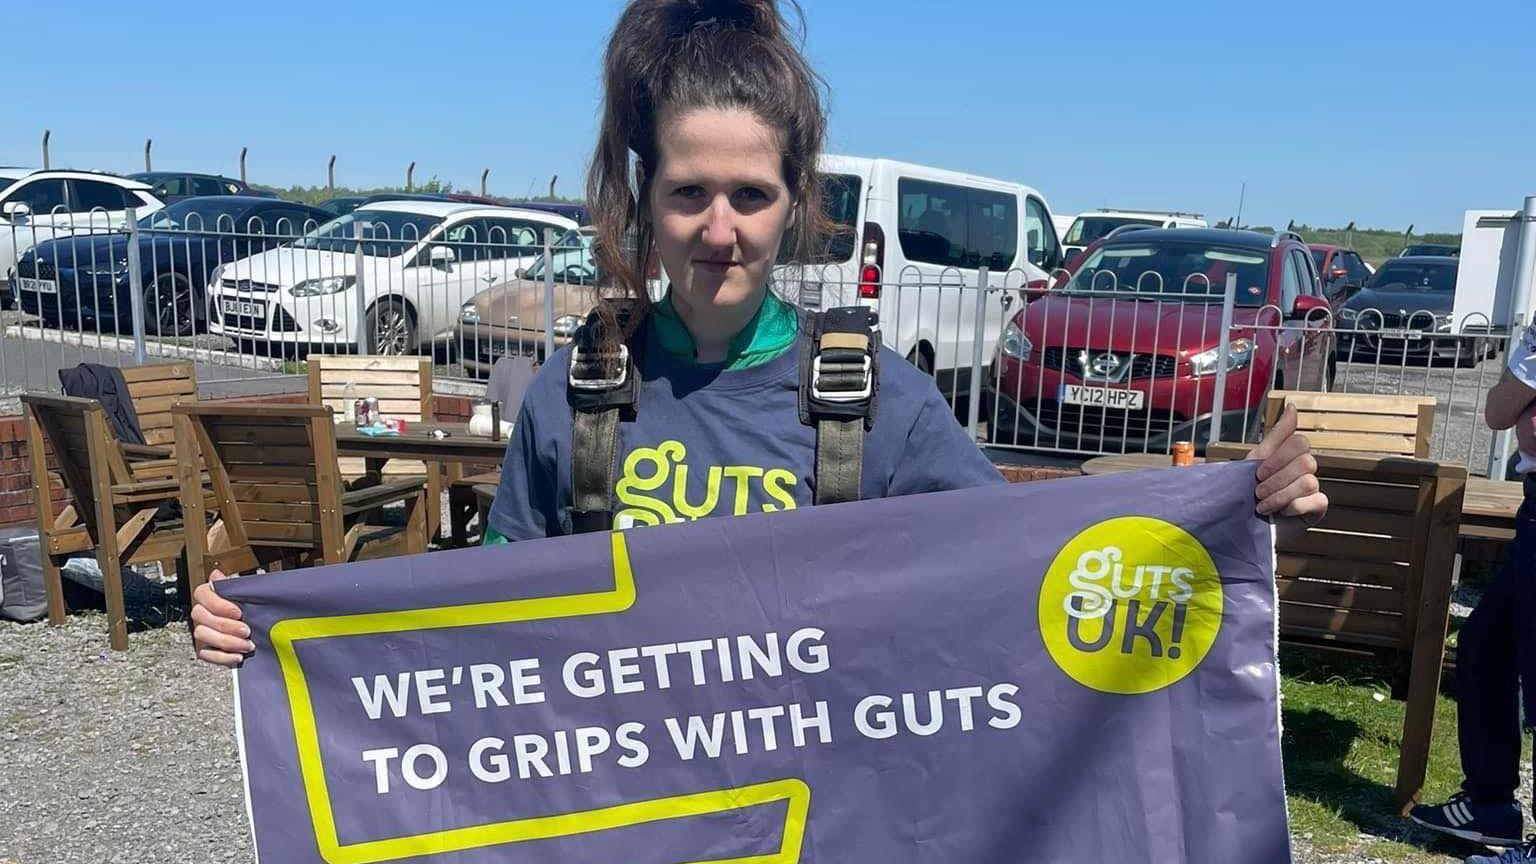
<point x="294" y="367"/>
<point x="1340" y="745"/>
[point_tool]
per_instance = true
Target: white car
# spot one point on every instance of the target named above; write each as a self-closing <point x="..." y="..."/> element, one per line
<point x="398" y="287"/>
<point x="41" y="205"/>
<point x="1088" y="227"/>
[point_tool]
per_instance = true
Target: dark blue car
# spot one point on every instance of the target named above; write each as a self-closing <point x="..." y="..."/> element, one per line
<point x="75" y="280"/>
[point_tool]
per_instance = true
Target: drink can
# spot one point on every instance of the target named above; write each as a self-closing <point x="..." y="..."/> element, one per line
<point x="1183" y="453"/>
<point x="360" y="416"/>
<point x="397" y="424"/>
<point x="373" y="410"/>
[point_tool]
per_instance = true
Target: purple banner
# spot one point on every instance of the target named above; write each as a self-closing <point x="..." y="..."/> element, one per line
<point x="1077" y="670"/>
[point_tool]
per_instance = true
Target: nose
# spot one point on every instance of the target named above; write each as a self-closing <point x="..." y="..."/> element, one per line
<point x="720" y="227"/>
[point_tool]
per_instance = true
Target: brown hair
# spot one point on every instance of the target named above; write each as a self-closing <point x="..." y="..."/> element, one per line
<point x="677" y="55"/>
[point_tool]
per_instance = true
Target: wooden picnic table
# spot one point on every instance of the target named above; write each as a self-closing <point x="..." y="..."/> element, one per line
<point x="417" y="443"/>
<point x="1487" y="511"/>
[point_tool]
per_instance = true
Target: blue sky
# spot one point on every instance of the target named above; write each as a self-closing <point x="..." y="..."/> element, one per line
<point x="1384" y="114"/>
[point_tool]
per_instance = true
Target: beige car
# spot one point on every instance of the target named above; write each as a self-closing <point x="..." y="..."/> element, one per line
<point x="508" y="319"/>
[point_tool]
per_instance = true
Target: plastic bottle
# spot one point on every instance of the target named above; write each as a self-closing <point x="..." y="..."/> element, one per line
<point x="349" y="406"/>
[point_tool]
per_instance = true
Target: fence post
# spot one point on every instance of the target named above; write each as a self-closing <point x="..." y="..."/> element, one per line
<point x="243" y="151"/>
<point x="484" y="175"/>
<point x="1223" y="354"/>
<point x="410" y="174"/>
<point x="135" y="287"/>
<point x="1498" y="446"/>
<point x="330" y="174"/>
<point x="549" y="293"/>
<point x="47" y="133"/>
<point x="973" y="406"/>
<point x="357" y="274"/>
<point x="148" y="143"/>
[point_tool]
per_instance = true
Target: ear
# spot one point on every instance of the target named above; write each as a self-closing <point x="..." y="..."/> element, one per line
<point x="794" y="214"/>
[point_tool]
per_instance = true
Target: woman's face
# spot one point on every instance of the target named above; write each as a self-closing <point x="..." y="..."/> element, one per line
<point x="720" y="207"/>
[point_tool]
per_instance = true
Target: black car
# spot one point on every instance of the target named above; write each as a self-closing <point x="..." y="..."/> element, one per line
<point x="1404" y="312"/>
<point x="1420" y="249"/>
<point x="173" y="186"/>
<point x="86" y="278"/>
<point x="343" y="205"/>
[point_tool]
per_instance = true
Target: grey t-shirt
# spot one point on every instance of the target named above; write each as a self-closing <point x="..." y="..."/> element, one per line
<point x="710" y="441"/>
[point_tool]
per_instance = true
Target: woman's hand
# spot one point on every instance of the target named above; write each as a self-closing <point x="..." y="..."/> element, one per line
<point x="220" y="636"/>
<point x="1288" y="474"/>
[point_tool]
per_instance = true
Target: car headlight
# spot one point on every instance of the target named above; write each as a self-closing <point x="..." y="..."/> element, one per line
<point x="565" y="325"/>
<point x="1442" y="323"/>
<point x="1348" y="314"/>
<point x="469" y="314"/>
<point x="1015" y="344"/>
<point x="116" y="269"/>
<point x="323" y="286"/>
<point x="1239" y="355"/>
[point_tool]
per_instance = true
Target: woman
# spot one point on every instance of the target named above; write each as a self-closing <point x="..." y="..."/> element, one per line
<point x="713" y="118"/>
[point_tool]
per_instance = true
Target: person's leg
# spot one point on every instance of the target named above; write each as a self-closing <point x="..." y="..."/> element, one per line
<point x="1488" y="713"/>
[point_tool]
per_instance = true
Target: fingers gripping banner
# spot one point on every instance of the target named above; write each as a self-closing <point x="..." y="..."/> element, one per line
<point x="1078" y="670"/>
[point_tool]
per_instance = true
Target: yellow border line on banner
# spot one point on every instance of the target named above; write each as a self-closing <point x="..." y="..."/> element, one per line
<point x="285" y="633"/>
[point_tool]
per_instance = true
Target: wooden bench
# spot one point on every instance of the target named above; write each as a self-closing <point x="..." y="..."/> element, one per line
<point x="1358" y="422"/>
<point x="115" y="513"/>
<point x="403" y="386"/>
<point x="1375" y="577"/>
<point x="278" y="493"/>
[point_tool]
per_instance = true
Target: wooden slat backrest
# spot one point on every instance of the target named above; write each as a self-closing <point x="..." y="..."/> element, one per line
<point x="88" y="457"/>
<point x="403" y="386"/>
<point x="154" y="390"/>
<point x="1355" y="577"/>
<point x="273" y="472"/>
<point x="1359" y="422"/>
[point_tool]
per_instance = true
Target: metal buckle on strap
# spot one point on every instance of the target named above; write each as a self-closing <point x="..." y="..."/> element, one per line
<point x="578" y="357"/>
<point x="842" y="395"/>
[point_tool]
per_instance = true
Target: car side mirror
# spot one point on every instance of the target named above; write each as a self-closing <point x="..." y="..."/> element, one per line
<point x="17" y="210"/>
<point x="1337" y="273"/>
<point x="441" y="256"/>
<point x="1308" y="304"/>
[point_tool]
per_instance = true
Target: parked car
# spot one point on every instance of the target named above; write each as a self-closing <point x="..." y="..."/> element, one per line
<point x="11" y="173"/>
<point x="508" y="318"/>
<point x="1399" y="313"/>
<point x="1418" y="249"/>
<point x="87" y="278"/>
<point x="1342" y="270"/>
<point x="911" y="242"/>
<point x="578" y="212"/>
<point x="1125" y="355"/>
<point x="343" y="205"/>
<point x="421" y="262"/>
<point x="1096" y="225"/>
<point x="172" y="186"/>
<point x="45" y="205"/>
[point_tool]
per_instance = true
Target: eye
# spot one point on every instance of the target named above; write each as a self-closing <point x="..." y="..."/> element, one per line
<point x="689" y="192"/>
<point x="751" y="195"/>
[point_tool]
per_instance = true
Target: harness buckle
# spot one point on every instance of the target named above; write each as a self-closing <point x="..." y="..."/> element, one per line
<point x="588" y="359"/>
<point x="840" y="396"/>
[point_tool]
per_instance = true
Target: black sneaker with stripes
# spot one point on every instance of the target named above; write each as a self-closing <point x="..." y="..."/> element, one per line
<point x="1492" y="824"/>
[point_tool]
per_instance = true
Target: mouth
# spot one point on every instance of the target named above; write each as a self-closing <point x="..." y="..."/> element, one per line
<point x="711" y="266"/>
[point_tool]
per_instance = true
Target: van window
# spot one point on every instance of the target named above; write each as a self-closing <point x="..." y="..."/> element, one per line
<point x="955" y="226"/>
<point x="1039" y="233"/>
<point x="840" y="194"/>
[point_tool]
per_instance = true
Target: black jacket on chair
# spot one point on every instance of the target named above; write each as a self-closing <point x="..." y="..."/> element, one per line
<point x="106" y="385"/>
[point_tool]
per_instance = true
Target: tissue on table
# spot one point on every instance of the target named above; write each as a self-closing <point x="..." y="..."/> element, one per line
<point x="480" y="424"/>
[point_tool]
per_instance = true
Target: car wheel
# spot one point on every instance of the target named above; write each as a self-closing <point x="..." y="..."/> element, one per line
<point x="391" y="329"/>
<point x="171" y="307"/>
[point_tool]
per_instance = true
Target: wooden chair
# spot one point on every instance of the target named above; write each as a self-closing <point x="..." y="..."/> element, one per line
<point x="1375" y="577"/>
<point x="403" y="386"/>
<point x="279" y="494"/>
<point x="114" y="512"/>
<point x="1359" y="422"/>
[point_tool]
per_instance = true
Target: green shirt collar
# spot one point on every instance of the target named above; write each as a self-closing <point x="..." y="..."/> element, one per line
<point x="770" y="332"/>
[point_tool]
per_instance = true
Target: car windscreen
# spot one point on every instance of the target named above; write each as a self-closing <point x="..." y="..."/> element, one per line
<point x="386" y="233"/>
<point x="573" y="259"/>
<point x="1090" y="228"/>
<point x="199" y="214"/>
<point x="1402" y="276"/>
<point x="1172" y="269"/>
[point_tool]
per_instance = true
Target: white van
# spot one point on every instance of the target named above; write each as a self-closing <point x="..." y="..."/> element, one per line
<point x="912" y="243"/>
<point x="1088" y="227"/>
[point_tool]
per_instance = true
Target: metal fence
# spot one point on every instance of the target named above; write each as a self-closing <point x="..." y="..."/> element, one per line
<point x="1109" y="367"/>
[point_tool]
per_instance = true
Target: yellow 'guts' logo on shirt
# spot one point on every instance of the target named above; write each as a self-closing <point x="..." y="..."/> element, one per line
<point x="653" y="489"/>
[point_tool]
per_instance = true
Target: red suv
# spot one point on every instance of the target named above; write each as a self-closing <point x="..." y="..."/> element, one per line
<point x="1342" y="270"/>
<point x="1123" y="356"/>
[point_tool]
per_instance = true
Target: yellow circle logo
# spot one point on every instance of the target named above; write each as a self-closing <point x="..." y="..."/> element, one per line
<point x="1130" y="605"/>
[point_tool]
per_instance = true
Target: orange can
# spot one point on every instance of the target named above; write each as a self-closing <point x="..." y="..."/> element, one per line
<point x="1183" y="453"/>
